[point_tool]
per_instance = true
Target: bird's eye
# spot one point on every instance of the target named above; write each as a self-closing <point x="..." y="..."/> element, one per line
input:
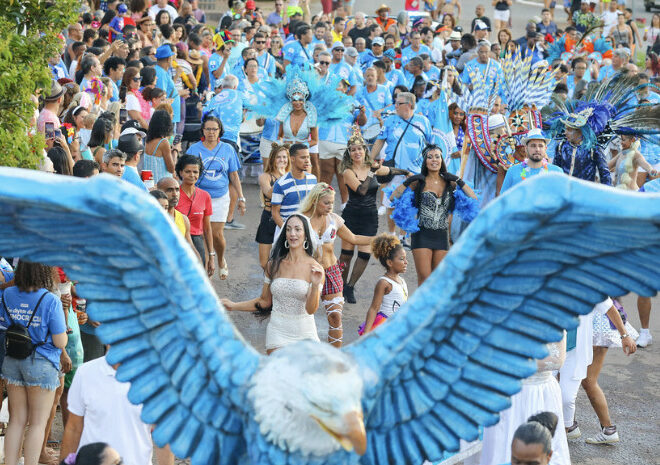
<point x="322" y="409"/>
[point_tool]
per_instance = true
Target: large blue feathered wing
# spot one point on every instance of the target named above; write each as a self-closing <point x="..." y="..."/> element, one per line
<point x="184" y="359"/>
<point x="539" y="255"/>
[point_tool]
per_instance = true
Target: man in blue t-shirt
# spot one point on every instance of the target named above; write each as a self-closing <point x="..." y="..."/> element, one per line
<point x="375" y="98"/>
<point x="164" y="56"/>
<point x="486" y="68"/>
<point x="536" y="162"/>
<point x="130" y="144"/>
<point x="299" y="52"/>
<point x="227" y="106"/>
<point x="415" y="49"/>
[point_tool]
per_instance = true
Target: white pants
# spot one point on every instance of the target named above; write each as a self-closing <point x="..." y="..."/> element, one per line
<point x="569" y="387"/>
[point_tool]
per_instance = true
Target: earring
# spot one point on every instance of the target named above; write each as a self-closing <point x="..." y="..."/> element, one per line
<point x="286" y="244"/>
<point x="305" y="244"/>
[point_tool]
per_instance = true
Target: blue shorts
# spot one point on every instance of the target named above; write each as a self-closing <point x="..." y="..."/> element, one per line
<point x="36" y="370"/>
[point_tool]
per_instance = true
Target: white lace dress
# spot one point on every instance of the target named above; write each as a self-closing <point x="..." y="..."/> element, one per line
<point x="540" y="393"/>
<point x="289" y="321"/>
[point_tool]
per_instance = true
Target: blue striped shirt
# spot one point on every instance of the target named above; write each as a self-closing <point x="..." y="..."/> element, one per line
<point x="288" y="192"/>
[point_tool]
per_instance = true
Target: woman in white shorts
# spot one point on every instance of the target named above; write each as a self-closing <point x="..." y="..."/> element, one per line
<point x="220" y="167"/>
<point x="502" y="13"/>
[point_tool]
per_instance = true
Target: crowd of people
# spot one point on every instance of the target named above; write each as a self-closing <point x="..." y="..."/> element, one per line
<point x="382" y="107"/>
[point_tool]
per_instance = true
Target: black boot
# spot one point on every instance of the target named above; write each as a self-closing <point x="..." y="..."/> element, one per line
<point x="349" y="294"/>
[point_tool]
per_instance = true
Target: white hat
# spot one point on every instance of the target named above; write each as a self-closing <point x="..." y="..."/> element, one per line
<point x="455" y="35"/>
<point x="495" y="121"/>
<point x="133" y="131"/>
<point x="535" y="134"/>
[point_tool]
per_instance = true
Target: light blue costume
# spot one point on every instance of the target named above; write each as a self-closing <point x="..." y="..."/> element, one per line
<point x="228" y="107"/>
<point x="442" y="367"/>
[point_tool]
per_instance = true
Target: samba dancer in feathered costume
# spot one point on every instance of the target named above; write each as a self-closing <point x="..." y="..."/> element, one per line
<point x="586" y="126"/>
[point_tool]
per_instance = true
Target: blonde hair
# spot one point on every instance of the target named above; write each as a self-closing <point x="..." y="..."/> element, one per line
<point x="310" y="201"/>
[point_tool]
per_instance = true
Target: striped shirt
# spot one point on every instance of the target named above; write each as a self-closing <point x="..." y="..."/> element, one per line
<point x="288" y="192"/>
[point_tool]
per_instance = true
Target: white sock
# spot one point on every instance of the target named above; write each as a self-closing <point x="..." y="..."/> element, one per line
<point x="643" y="331"/>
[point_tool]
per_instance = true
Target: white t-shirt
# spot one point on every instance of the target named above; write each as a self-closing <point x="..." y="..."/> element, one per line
<point x="96" y="395"/>
<point x="154" y="10"/>
<point x="610" y="19"/>
<point x="72" y="69"/>
<point x="132" y="102"/>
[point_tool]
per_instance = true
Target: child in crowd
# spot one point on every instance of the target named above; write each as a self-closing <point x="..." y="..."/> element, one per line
<point x="391" y="290"/>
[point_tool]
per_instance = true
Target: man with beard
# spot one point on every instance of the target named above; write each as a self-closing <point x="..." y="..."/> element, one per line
<point x="535" y="163"/>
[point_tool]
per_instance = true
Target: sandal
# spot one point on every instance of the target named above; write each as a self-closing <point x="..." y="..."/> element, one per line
<point x="223" y="271"/>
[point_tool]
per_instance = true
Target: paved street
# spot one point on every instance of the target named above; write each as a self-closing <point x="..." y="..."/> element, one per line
<point x="630" y="383"/>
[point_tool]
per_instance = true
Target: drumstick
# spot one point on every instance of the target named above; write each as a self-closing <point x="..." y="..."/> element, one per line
<point x="464" y="156"/>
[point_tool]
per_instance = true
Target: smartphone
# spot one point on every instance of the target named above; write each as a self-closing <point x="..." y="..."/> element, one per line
<point x="58" y="133"/>
<point x="49" y="130"/>
<point x="123" y="115"/>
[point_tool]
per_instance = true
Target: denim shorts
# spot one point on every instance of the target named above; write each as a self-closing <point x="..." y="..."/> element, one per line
<point x="36" y="370"/>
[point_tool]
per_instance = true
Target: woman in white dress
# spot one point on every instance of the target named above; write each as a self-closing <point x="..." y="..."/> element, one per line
<point x="291" y="290"/>
<point x="540" y="393"/>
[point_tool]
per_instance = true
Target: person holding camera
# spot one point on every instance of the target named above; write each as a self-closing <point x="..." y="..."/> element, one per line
<point x="35" y="336"/>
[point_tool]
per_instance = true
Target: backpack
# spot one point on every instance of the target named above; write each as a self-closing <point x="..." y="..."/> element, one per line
<point x="18" y="343"/>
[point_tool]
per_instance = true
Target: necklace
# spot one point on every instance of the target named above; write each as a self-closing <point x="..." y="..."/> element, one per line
<point x="295" y="183"/>
<point x="523" y="173"/>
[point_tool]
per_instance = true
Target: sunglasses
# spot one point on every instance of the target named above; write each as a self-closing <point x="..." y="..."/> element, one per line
<point x="326" y="63"/>
<point x="137" y="79"/>
<point x="259" y="42"/>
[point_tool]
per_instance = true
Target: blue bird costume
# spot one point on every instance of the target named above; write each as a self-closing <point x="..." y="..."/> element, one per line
<point x="444" y="365"/>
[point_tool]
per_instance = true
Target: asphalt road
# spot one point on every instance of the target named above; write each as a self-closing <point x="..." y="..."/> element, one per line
<point x="630" y="383"/>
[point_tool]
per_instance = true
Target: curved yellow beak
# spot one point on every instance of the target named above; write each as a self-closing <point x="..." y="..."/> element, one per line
<point x="355" y="438"/>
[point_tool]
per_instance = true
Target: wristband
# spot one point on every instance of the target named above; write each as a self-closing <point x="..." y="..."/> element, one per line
<point x="241" y="199"/>
<point x="460" y="183"/>
<point x="625" y="336"/>
<point x="212" y="254"/>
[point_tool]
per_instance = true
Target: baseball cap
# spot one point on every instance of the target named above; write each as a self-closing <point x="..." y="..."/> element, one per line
<point x="338" y="45"/>
<point x="129" y="143"/>
<point x="132" y="127"/>
<point x="352" y="52"/>
<point x="250" y="5"/>
<point x="164" y="51"/>
<point x="122" y="8"/>
<point x="480" y="26"/>
<point x="378" y="41"/>
<point x="391" y="54"/>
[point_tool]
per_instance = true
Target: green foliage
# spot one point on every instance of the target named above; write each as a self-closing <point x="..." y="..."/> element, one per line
<point x="29" y="32"/>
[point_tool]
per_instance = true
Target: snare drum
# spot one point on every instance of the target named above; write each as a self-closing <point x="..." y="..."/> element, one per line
<point x="371" y="132"/>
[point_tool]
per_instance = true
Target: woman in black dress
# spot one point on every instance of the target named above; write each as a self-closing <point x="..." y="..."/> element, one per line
<point x="361" y="211"/>
<point x="434" y="199"/>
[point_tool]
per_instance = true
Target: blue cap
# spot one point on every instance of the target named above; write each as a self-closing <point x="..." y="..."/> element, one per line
<point x="389" y="53"/>
<point x="164" y="51"/>
<point x="122" y="8"/>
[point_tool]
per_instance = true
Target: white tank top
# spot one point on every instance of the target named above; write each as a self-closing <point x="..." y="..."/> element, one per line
<point x="396" y="298"/>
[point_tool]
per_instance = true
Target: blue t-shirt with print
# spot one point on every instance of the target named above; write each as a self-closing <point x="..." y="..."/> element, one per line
<point x="297" y="54"/>
<point x="166" y="83"/>
<point x="407" y="53"/>
<point x="344" y="70"/>
<point x="373" y="101"/>
<point x="48" y="320"/>
<point x="267" y="64"/>
<point x="413" y="140"/>
<point x="227" y="106"/>
<point x="491" y="72"/>
<point x="215" y="61"/>
<point x="395" y="76"/>
<point x="514" y="174"/>
<point x="217" y="164"/>
<point x="271" y="129"/>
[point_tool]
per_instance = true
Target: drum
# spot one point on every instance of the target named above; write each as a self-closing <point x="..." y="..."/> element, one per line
<point x="250" y="126"/>
<point x="371" y="132"/>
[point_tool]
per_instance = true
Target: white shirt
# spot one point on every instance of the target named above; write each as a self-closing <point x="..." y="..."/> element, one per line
<point x="154" y="10"/>
<point x="610" y="19"/>
<point x="102" y="401"/>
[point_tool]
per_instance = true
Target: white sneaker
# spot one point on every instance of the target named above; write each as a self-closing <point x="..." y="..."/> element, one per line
<point x="574" y="433"/>
<point x="382" y="210"/>
<point x="602" y="438"/>
<point x="644" y="339"/>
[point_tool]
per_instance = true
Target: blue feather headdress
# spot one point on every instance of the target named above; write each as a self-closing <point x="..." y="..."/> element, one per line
<point x="323" y="103"/>
<point x="607" y="109"/>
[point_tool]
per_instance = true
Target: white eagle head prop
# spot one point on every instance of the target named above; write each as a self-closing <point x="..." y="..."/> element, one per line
<point x="443" y="366"/>
<point x="307" y="398"/>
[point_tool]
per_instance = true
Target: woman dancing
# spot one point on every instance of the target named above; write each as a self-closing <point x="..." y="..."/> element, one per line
<point x="292" y="287"/>
<point x="434" y="197"/>
<point x="361" y="212"/>
<point x="317" y="206"/>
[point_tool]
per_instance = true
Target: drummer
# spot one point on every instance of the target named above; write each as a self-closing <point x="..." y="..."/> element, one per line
<point x="375" y="98"/>
<point x="333" y="140"/>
